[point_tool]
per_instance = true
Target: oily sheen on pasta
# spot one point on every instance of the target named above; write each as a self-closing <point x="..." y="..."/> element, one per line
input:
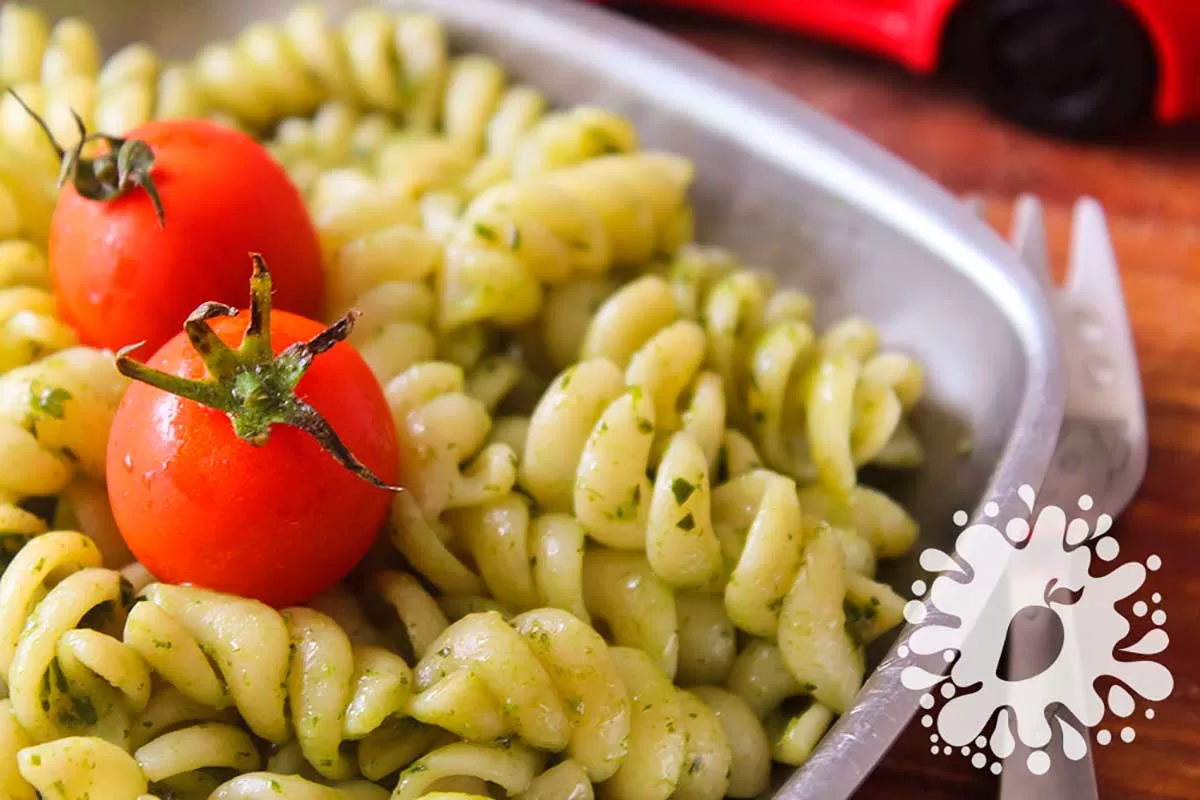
<point x="633" y="557"/>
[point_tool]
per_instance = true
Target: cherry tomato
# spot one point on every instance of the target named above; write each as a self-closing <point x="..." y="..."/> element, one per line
<point x="280" y="520"/>
<point x="120" y="277"/>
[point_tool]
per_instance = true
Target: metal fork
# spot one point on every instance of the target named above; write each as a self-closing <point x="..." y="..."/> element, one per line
<point x="1102" y="446"/>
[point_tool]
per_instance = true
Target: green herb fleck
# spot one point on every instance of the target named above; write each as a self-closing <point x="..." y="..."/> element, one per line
<point x="687" y="523"/>
<point x="644" y="425"/>
<point x="486" y="231"/>
<point x="49" y="400"/>
<point x="682" y="490"/>
<point x="44" y="691"/>
<point x="696" y="765"/>
<point x="628" y="509"/>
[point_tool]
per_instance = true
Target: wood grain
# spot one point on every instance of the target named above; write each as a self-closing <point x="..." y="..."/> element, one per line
<point x="1150" y="185"/>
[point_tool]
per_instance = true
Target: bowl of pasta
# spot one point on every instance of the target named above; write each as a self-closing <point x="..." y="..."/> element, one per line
<point x="681" y="378"/>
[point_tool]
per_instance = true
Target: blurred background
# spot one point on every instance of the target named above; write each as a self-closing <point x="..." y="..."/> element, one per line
<point x="995" y="142"/>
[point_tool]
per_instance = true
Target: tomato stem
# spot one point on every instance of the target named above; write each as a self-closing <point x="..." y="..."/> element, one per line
<point x="126" y="164"/>
<point x="253" y="387"/>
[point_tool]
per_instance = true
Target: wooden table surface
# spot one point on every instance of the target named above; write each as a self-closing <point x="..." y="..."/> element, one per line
<point x="1150" y="186"/>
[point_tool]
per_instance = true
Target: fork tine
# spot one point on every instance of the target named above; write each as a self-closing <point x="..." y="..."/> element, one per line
<point x="1093" y="277"/>
<point x="1029" y="238"/>
<point x="1094" y="285"/>
<point x="1093" y="264"/>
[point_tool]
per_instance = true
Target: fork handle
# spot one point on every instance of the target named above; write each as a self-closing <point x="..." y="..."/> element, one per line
<point x="1074" y="469"/>
<point x="1066" y="779"/>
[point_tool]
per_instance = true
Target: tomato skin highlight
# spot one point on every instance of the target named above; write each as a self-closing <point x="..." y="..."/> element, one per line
<point x="120" y="278"/>
<point x="281" y="522"/>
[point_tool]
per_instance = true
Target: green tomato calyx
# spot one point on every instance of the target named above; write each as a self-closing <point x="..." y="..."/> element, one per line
<point x="125" y="166"/>
<point x="255" y="388"/>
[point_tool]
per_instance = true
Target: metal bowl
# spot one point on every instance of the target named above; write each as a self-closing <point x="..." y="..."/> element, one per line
<point x="826" y="210"/>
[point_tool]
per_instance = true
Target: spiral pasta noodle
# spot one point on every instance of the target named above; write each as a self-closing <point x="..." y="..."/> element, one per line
<point x="380" y="264"/>
<point x="480" y="132"/>
<point x="29" y="329"/>
<point x="615" y="713"/>
<point x="610" y="211"/>
<point x="852" y="402"/>
<point x="773" y="369"/>
<point x="132" y="87"/>
<point x="62" y="681"/>
<point x="67" y="680"/>
<point x="95" y="768"/>
<point x="446" y="431"/>
<point x="526" y="561"/>
<point x="54" y="419"/>
<point x="28" y="325"/>
<point x="270" y="73"/>
<point x="380" y="271"/>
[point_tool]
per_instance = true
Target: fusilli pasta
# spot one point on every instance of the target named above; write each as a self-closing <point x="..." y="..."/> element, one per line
<point x="54" y="419"/>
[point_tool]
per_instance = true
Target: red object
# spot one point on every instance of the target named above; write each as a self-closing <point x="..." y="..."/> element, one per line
<point x="121" y="278"/>
<point x="1174" y="29"/>
<point x="280" y="522"/>
<point x="912" y="33"/>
